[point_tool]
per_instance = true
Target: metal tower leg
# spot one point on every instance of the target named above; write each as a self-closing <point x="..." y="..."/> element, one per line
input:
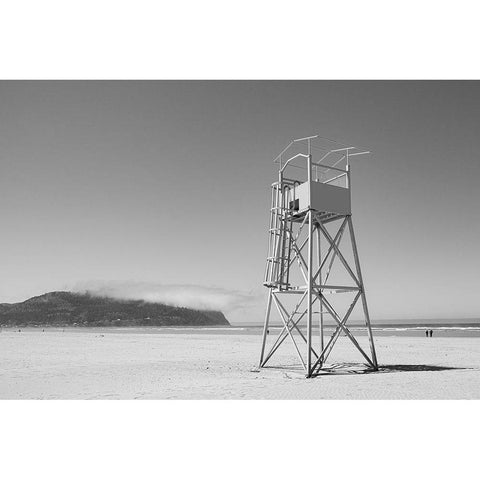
<point x="309" y="294"/>
<point x="265" y="326"/>
<point x="364" y="298"/>
<point x="319" y="253"/>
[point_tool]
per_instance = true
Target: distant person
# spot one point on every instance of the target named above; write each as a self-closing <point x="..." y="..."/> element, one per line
<point x="426" y="333"/>
<point x="431" y="333"/>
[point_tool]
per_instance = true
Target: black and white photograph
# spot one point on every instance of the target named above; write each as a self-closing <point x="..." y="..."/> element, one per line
<point x="238" y="247"/>
<point x="183" y="240"/>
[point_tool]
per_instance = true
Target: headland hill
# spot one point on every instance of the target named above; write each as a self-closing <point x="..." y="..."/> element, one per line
<point x="69" y="309"/>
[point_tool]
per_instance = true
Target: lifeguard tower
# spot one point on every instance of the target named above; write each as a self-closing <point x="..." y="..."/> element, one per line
<point x="310" y="216"/>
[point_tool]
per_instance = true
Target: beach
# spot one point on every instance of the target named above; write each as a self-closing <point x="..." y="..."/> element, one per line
<point x="122" y="364"/>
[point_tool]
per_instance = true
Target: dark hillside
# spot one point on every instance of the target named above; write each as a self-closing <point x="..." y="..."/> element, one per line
<point x="74" y="309"/>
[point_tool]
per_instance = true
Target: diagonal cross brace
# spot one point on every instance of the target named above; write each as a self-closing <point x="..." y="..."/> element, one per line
<point x="340" y="256"/>
<point x="294" y="325"/>
<point x="289" y="332"/>
<point x="347" y="331"/>
<point x="336" y="241"/>
<point x="284" y="333"/>
<point x="331" y="343"/>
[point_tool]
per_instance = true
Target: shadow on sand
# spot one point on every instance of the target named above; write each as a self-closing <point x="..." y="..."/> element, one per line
<point x="416" y="368"/>
<point x="360" y="368"/>
<point x="348" y="369"/>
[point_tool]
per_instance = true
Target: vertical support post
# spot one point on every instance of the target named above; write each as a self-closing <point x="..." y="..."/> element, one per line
<point x="265" y="326"/>
<point x="320" y="281"/>
<point x="347" y="179"/>
<point x="364" y="298"/>
<point x="310" y="264"/>
<point x="309" y="294"/>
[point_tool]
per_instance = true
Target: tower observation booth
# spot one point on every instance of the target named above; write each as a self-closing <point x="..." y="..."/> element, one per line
<point x="313" y="257"/>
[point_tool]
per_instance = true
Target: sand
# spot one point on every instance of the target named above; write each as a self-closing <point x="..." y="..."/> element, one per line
<point x="93" y="365"/>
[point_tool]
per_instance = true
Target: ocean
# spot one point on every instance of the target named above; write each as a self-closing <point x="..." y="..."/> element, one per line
<point x="391" y="329"/>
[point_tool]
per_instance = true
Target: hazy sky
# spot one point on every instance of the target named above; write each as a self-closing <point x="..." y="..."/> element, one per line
<point x="164" y="187"/>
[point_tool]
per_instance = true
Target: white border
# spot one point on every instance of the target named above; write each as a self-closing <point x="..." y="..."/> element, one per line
<point x="243" y="40"/>
<point x="239" y="439"/>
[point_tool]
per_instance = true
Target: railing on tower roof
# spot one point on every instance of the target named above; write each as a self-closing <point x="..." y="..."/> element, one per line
<point x="330" y="159"/>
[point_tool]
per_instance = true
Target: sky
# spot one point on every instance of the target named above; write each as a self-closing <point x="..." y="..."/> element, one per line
<point x="161" y="190"/>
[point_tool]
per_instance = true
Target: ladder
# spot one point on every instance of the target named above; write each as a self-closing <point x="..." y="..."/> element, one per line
<point x="280" y="238"/>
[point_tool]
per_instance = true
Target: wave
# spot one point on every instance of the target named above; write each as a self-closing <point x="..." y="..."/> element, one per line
<point x="191" y="327"/>
<point x="426" y="327"/>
